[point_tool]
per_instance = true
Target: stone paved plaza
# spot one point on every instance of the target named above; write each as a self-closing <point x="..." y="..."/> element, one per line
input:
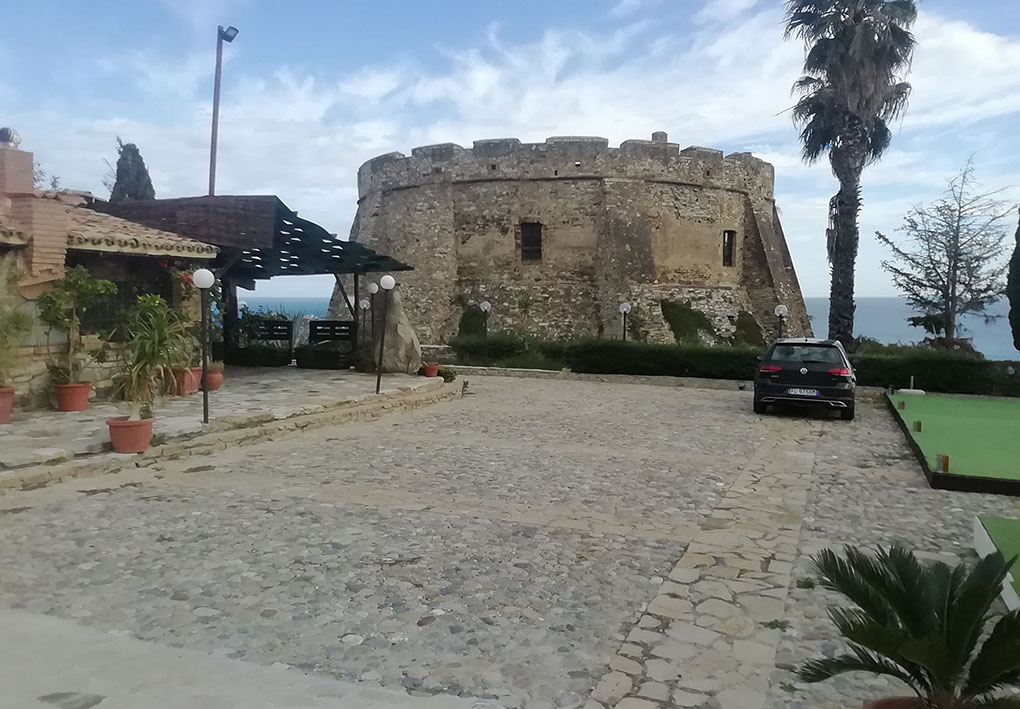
<point x="538" y="543"/>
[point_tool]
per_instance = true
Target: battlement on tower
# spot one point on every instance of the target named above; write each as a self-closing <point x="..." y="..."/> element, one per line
<point x="566" y="158"/>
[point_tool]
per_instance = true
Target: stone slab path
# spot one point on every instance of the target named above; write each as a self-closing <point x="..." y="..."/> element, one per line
<point x="248" y="394"/>
<point x="536" y="544"/>
<point x="116" y="671"/>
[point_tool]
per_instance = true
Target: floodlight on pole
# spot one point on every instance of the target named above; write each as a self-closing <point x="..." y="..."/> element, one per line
<point x="624" y="309"/>
<point x="387" y="283"/>
<point x="223" y="34"/>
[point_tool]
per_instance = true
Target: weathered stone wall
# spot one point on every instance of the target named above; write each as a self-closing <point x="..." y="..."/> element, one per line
<point x="643" y="222"/>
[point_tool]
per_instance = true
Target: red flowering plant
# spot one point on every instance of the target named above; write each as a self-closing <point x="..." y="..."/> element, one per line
<point x="181" y="277"/>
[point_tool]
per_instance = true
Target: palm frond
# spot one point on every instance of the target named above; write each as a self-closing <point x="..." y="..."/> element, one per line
<point x="969" y="610"/>
<point x="995" y="703"/>
<point x="998" y="663"/>
<point x="860" y="660"/>
<point x="839" y="574"/>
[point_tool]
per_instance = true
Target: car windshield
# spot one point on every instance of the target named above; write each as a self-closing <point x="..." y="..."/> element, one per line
<point x="808" y="354"/>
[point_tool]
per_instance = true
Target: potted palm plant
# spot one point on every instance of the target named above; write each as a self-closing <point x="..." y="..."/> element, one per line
<point x="923" y="624"/>
<point x="156" y="345"/>
<point x="14" y="325"/>
<point x="62" y="308"/>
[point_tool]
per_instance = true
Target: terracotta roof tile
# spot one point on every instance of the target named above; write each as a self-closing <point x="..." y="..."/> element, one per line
<point x="89" y="230"/>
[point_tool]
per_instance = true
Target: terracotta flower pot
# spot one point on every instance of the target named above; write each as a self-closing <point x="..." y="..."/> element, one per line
<point x="187" y="382"/>
<point x="130" y="436"/>
<point x="431" y="370"/>
<point x="73" y="397"/>
<point x="6" y="403"/>
<point x="215" y="380"/>
<point x="896" y="703"/>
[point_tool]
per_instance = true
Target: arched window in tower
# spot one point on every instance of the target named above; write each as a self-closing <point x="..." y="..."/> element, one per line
<point x="531" y="241"/>
<point x="729" y="245"/>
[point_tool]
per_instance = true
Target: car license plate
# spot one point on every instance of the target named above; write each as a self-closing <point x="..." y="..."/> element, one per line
<point x="802" y="392"/>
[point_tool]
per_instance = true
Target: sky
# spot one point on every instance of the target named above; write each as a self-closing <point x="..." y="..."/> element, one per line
<point x="312" y="89"/>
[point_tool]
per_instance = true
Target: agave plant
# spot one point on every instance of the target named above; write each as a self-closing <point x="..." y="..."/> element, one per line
<point x="922" y="624"/>
<point x="157" y="345"/>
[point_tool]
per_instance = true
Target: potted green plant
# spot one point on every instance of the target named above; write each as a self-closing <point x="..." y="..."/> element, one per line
<point x="923" y="623"/>
<point x="156" y="345"/>
<point x="62" y="308"/>
<point x="14" y="325"/>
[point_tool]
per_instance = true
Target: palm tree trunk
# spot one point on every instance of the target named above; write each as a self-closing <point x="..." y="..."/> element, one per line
<point x="843" y="257"/>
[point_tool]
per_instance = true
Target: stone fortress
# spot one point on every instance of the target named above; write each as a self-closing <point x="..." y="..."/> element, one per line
<point x="556" y="235"/>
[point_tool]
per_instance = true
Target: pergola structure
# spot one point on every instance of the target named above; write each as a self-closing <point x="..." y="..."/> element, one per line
<point x="259" y="237"/>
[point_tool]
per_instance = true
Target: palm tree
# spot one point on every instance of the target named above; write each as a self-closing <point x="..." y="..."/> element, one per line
<point x="849" y="93"/>
<point x="921" y="624"/>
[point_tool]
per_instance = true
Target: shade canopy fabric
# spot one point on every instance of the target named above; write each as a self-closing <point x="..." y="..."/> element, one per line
<point x="258" y="235"/>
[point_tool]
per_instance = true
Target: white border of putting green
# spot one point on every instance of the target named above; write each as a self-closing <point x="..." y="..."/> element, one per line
<point x="984" y="546"/>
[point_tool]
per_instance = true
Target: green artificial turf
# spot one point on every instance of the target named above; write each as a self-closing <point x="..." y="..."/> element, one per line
<point x="1005" y="535"/>
<point x="981" y="436"/>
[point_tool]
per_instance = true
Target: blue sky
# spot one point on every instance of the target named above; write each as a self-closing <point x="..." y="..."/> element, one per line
<point x="314" y="88"/>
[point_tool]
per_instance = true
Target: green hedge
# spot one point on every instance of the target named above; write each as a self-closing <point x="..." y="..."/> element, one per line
<point x="618" y="357"/>
<point x="939" y="371"/>
<point x="933" y="370"/>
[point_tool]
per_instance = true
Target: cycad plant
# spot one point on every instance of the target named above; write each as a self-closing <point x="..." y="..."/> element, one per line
<point x="157" y="343"/>
<point x="850" y="91"/>
<point x="923" y="624"/>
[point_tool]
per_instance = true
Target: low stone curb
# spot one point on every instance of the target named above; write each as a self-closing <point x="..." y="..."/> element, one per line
<point x="694" y="382"/>
<point x="231" y="432"/>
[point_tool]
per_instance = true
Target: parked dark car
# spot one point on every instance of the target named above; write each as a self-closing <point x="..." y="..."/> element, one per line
<point x="806" y="372"/>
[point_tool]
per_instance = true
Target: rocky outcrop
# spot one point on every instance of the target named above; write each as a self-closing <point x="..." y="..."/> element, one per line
<point x="402" y="351"/>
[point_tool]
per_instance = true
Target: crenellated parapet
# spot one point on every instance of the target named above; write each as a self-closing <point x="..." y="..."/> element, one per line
<point x="568" y="158"/>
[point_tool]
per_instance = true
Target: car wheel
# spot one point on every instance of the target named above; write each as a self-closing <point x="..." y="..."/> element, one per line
<point x="760" y="407"/>
<point x="847" y="414"/>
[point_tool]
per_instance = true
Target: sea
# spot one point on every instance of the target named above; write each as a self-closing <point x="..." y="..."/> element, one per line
<point x="884" y="319"/>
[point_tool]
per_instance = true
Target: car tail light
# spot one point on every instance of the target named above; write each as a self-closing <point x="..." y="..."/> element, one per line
<point x="839" y="372"/>
<point x="770" y="369"/>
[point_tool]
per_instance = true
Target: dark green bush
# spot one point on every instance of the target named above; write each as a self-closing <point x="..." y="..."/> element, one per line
<point x="687" y="323"/>
<point x="938" y="371"/>
<point x="473" y="349"/>
<point x="618" y="357"/>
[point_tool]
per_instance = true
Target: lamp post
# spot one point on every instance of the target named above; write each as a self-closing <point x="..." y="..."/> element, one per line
<point x="204" y="279"/>
<point x="373" y="288"/>
<point x="485" y="306"/>
<point x="387" y="284"/>
<point x="364" y="305"/>
<point x="781" y="312"/>
<point x="222" y="35"/>
<point x="624" y="309"/>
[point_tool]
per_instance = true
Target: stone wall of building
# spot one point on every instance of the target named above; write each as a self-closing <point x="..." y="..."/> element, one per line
<point x="641" y="223"/>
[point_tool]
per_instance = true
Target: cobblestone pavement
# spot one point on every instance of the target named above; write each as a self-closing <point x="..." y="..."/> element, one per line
<point x="535" y="544"/>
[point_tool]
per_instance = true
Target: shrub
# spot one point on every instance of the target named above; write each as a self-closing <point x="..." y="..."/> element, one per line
<point x="501" y="346"/>
<point x="643" y="358"/>
<point x="748" y="332"/>
<point x="937" y="370"/>
<point x="448" y="374"/>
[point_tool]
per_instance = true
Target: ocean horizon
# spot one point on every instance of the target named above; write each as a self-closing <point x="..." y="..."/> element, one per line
<point x="884" y="319"/>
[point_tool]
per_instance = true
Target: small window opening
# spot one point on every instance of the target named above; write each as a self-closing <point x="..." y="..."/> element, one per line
<point x="492" y="166"/>
<point x="729" y="241"/>
<point x="531" y="241"/>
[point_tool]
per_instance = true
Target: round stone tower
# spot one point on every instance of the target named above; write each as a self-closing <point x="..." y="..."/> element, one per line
<point x="557" y="234"/>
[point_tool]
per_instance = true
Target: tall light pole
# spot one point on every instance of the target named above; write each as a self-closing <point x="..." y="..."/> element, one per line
<point x="204" y="279"/>
<point x="387" y="283"/>
<point x="222" y="35"/>
<point x="624" y="309"/>
<point x="372" y="289"/>
<point x="364" y="305"/>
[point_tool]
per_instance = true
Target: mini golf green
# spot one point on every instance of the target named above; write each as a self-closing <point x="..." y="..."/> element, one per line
<point x="1004" y="534"/>
<point x="980" y="436"/>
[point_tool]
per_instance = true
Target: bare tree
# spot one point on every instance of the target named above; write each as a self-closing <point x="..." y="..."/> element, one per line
<point x="43" y="180"/>
<point x="949" y="262"/>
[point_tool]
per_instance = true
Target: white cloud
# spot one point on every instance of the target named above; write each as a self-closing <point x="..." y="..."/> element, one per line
<point x="724" y="82"/>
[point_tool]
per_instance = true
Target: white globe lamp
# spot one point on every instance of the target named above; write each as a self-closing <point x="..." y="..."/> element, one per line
<point x="387" y="282"/>
<point x="203" y="278"/>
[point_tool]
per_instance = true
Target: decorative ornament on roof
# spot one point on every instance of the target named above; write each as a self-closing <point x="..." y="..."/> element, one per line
<point x="9" y="138"/>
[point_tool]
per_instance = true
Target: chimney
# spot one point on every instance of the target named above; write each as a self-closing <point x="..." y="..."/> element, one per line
<point x="660" y="136"/>
<point x="17" y="175"/>
<point x="42" y="219"/>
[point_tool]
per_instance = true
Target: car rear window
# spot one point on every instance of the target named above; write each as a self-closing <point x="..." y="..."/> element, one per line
<point x="806" y="353"/>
